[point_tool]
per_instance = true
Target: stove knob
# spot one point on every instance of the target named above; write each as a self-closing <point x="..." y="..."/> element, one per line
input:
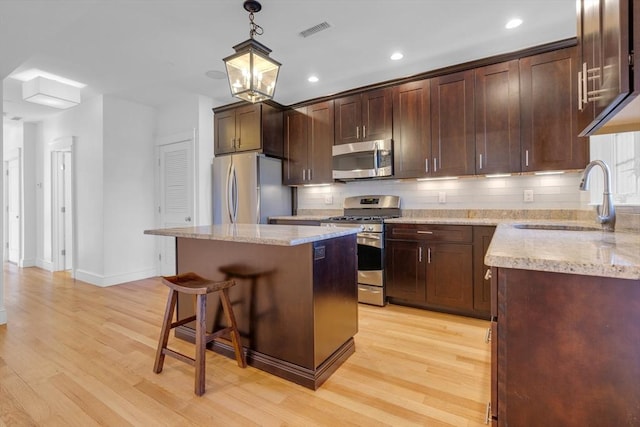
<point x="370" y="228"/>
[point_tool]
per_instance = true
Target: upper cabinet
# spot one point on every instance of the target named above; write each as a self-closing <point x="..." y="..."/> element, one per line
<point x="497" y="118"/>
<point x="411" y="129"/>
<point x="549" y="128"/>
<point x="251" y="127"/>
<point x="363" y="117"/>
<point x="308" y="138"/>
<point x="605" y="71"/>
<point x="452" y="125"/>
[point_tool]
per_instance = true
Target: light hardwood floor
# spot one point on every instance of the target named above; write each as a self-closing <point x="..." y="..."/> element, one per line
<point x="73" y="354"/>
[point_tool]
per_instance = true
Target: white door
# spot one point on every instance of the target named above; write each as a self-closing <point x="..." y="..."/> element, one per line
<point x="13" y="210"/>
<point x="62" y="211"/>
<point x="176" y="207"/>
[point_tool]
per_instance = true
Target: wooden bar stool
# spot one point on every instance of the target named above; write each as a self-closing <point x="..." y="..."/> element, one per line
<point x="191" y="283"/>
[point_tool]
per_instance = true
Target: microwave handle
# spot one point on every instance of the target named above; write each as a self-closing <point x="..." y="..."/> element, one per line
<point x="376" y="160"/>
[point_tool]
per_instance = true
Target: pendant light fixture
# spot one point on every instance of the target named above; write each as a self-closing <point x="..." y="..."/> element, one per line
<point x="252" y="74"/>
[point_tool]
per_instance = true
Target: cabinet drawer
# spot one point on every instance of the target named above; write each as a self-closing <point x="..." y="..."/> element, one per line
<point x="430" y="232"/>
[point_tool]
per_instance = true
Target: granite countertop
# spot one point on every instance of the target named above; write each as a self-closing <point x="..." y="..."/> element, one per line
<point x="266" y="234"/>
<point x="579" y="248"/>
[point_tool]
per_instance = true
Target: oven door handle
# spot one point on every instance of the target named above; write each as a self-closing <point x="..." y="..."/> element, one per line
<point x="370" y="239"/>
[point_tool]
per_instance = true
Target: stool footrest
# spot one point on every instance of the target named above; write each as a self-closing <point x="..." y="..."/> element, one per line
<point x="182" y="357"/>
<point x="212" y="336"/>
<point x="183" y="321"/>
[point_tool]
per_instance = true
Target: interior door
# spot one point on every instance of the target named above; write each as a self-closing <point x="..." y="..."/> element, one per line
<point x="13" y="210"/>
<point x="176" y="207"/>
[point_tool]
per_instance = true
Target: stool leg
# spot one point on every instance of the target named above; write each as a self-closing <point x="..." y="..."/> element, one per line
<point x="166" y="328"/>
<point x="231" y="320"/>
<point x="201" y="343"/>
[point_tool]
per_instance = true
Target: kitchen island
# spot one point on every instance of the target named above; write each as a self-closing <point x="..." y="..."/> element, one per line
<point x="565" y="312"/>
<point x="296" y="295"/>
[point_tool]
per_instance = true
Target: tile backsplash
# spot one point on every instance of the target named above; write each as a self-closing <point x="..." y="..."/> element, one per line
<point x="541" y="191"/>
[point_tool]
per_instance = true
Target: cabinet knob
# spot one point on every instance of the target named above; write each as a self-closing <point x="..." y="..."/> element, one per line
<point x="487" y="275"/>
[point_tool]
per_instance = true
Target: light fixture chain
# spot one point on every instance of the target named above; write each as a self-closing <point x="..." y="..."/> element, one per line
<point x="254" y="29"/>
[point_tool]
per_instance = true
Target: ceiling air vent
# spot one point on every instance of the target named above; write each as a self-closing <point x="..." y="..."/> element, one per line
<point x="315" y="29"/>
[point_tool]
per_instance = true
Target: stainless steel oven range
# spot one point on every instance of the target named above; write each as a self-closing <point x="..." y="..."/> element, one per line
<point x="369" y="212"/>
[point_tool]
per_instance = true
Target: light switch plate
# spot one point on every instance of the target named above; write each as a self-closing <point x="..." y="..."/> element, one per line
<point x="328" y="199"/>
<point x="442" y="197"/>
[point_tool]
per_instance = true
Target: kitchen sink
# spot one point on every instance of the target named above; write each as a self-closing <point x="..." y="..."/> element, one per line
<point x="560" y="227"/>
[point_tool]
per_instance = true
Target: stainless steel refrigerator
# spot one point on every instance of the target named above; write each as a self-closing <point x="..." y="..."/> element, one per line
<point x="247" y="189"/>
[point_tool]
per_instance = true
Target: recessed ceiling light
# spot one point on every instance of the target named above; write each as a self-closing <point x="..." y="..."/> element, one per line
<point x="395" y="56"/>
<point x="313" y="79"/>
<point x="515" y="22"/>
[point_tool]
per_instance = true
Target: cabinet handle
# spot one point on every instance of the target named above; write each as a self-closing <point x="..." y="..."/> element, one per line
<point x="585" y="86"/>
<point x="487" y="418"/>
<point x="357" y="132"/>
<point x="239" y="144"/>
<point x="487" y="336"/>
<point x="424" y="232"/>
<point x="364" y="131"/>
<point x="304" y="174"/>
<point x="480" y="161"/>
<point x="580" y="106"/>
<point x="309" y="174"/>
<point x="487" y="275"/>
<point x="526" y="158"/>
<point x="233" y="142"/>
<point x="434" y="165"/>
<point x="426" y="165"/>
<point x="420" y="254"/>
<point x="428" y="255"/>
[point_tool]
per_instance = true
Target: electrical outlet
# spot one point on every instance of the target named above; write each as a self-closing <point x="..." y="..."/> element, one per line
<point x="442" y="197"/>
<point x="528" y="196"/>
<point x="328" y="199"/>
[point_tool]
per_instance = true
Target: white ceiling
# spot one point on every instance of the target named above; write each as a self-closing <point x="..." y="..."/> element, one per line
<point x="156" y="51"/>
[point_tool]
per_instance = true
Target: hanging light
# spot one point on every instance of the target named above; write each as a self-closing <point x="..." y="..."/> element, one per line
<point x="252" y="74"/>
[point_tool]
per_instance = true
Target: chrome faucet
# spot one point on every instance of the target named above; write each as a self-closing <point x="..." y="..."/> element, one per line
<point x="606" y="212"/>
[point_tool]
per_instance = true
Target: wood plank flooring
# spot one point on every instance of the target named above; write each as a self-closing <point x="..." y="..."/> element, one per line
<point x="73" y="354"/>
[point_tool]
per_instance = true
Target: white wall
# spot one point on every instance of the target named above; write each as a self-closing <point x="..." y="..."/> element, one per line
<point x="549" y="192"/>
<point x="3" y="311"/>
<point x="29" y="217"/>
<point x="85" y="123"/>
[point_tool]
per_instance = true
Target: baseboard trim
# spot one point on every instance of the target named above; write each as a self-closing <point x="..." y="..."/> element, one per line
<point x="45" y="265"/>
<point x="116" y="279"/>
<point x="28" y="263"/>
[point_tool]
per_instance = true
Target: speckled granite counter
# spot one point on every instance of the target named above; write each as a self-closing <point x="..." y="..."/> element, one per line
<point x="281" y="235"/>
<point x="591" y="253"/>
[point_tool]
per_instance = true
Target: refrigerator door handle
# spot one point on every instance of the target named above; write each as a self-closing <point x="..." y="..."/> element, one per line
<point x="234" y="192"/>
<point x="229" y="193"/>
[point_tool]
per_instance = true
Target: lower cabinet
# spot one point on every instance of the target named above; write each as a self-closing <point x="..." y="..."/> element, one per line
<point x="434" y="266"/>
<point x="566" y="350"/>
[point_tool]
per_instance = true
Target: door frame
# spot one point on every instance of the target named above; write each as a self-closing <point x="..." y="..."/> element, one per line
<point x="189" y="136"/>
<point x="63" y="144"/>
<point x="13" y="155"/>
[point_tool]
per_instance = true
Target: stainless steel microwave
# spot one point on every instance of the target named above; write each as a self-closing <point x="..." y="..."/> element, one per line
<point x="368" y="159"/>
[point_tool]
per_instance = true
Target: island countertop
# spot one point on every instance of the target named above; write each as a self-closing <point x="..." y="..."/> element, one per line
<point x="591" y="253"/>
<point x="266" y="234"/>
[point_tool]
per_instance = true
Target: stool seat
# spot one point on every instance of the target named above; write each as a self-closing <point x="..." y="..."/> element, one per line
<point x="192" y="284"/>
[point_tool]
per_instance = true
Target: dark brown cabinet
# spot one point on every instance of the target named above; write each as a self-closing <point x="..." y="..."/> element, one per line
<point x="497" y="126"/>
<point x="411" y="129"/>
<point x="549" y="128"/>
<point x="252" y="127"/>
<point x="481" y="280"/>
<point x="566" y="349"/>
<point x="308" y="138"/>
<point x="605" y="71"/>
<point x="430" y="266"/>
<point x="452" y="125"/>
<point x="363" y="117"/>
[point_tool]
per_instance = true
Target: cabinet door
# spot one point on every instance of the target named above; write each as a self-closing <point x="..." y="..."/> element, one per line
<point x="452" y="124"/>
<point x="376" y="115"/>
<point x="411" y="129"/>
<point x="295" y="147"/>
<point x="320" y="122"/>
<point x="548" y="96"/>
<point x="481" y="283"/>
<point x="450" y="275"/>
<point x="497" y="89"/>
<point x="248" y="128"/>
<point x="224" y="132"/>
<point x="348" y="118"/>
<point x="405" y="270"/>
<point x="589" y="43"/>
